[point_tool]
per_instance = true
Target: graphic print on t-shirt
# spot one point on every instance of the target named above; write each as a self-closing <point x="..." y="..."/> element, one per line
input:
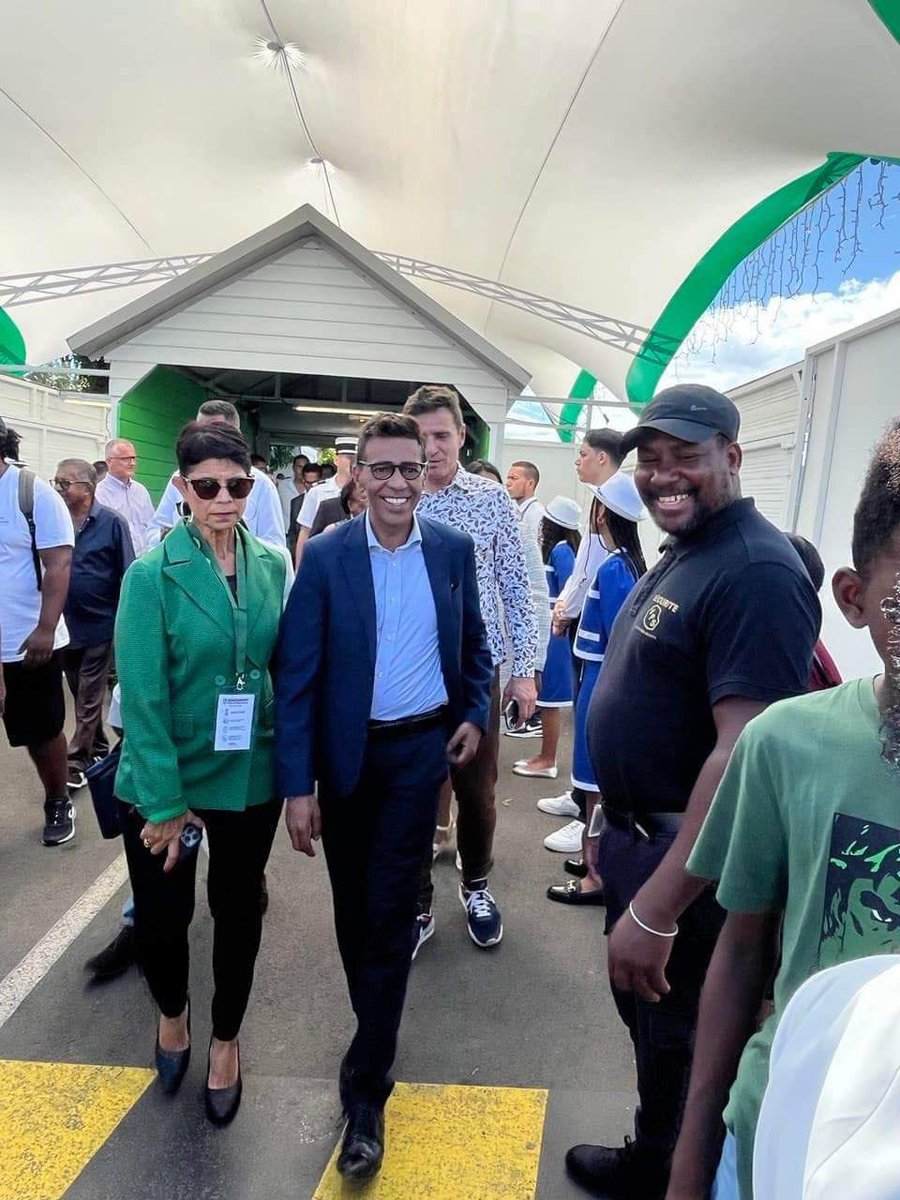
<point x="862" y="892"/>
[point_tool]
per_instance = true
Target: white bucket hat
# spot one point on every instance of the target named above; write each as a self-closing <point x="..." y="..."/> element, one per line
<point x="564" y="512"/>
<point x="620" y="496"/>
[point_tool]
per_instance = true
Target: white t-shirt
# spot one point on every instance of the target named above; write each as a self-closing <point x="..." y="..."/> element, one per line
<point x="330" y="489"/>
<point x="287" y="490"/>
<point x="532" y="513"/>
<point x="20" y="600"/>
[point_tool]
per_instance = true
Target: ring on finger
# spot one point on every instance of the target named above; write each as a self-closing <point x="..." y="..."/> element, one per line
<point x="147" y="843"/>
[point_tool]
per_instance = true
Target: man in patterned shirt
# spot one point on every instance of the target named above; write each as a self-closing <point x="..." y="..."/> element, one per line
<point x="483" y="510"/>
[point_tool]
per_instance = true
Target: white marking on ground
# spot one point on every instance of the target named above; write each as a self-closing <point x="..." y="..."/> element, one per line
<point x="24" y="978"/>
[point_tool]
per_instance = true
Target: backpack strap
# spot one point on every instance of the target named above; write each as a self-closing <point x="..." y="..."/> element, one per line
<point x="26" y="506"/>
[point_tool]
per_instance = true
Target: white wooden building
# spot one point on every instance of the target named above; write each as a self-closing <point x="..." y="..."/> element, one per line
<point x="305" y="330"/>
<point x="53" y="426"/>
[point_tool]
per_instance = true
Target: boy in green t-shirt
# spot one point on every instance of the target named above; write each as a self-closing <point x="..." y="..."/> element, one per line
<point x="804" y="840"/>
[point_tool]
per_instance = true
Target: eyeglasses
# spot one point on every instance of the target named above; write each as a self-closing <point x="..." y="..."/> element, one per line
<point x="123" y="458"/>
<point x="384" y="470"/>
<point x="63" y="485"/>
<point x="207" y="489"/>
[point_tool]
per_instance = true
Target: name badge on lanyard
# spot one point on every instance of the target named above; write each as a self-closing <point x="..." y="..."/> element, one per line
<point x="234" y="721"/>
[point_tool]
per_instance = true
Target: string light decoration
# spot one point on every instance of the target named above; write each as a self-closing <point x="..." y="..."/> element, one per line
<point x="790" y="263"/>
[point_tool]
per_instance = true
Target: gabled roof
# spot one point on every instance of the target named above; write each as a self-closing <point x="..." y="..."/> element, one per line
<point x="104" y="335"/>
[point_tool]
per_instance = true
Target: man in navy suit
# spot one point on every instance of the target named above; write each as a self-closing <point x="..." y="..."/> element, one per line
<point x="383" y="657"/>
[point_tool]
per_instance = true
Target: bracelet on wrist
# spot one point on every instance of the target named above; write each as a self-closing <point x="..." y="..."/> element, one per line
<point x="656" y="932"/>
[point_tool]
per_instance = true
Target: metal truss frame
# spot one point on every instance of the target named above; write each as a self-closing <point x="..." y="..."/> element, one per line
<point x="37" y="286"/>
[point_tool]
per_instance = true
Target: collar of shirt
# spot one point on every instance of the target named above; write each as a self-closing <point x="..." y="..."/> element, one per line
<point x="414" y="539"/>
<point x="114" y="482"/>
<point x="709" y="530"/>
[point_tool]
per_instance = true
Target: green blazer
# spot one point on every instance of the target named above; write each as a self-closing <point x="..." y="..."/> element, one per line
<point x="176" y="636"/>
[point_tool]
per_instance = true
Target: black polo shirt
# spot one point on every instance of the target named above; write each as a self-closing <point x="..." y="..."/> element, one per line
<point x="103" y="553"/>
<point x="727" y="611"/>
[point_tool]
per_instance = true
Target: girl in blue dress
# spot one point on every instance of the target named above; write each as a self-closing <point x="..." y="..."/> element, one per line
<point x="617" y="516"/>
<point x="559" y="541"/>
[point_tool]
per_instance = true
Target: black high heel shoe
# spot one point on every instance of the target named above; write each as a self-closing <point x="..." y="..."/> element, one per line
<point x="222" y="1103"/>
<point x="171" y="1065"/>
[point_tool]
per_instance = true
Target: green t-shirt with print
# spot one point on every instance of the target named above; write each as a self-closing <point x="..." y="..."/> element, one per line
<point x="807" y="820"/>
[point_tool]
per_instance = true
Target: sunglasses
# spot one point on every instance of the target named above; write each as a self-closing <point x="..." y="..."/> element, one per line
<point x="207" y="489"/>
<point x="384" y="470"/>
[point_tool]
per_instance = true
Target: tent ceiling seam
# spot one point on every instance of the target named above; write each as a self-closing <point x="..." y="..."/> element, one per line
<point x="562" y="123"/>
<point x="75" y="163"/>
<point x="301" y="116"/>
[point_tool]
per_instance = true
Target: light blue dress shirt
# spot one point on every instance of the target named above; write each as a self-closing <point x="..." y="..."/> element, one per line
<point x="408" y="675"/>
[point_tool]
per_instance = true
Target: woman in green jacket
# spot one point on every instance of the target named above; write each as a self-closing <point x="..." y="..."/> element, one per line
<point x="196" y="628"/>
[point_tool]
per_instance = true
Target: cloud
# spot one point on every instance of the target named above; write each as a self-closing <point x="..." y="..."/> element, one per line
<point x="739" y="344"/>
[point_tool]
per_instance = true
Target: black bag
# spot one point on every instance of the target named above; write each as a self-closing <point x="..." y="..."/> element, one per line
<point x="101" y="778"/>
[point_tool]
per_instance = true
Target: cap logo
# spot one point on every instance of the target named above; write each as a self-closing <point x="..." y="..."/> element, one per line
<point x="699" y="408"/>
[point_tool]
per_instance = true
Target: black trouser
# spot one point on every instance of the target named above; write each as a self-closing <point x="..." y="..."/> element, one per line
<point x="662" y="1033"/>
<point x="239" y="846"/>
<point x="375" y="840"/>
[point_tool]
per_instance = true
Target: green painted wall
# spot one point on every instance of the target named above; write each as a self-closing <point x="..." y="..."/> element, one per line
<point x="150" y="415"/>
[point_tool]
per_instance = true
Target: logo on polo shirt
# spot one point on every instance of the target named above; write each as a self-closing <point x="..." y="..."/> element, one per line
<point x="652" y="617"/>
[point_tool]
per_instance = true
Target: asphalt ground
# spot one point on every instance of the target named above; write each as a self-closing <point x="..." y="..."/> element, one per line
<point x="523" y="1041"/>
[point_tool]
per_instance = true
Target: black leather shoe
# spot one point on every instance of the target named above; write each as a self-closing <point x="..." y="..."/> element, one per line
<point x="171" y="1065"/>
<point x="571" y="893"/>
<point x="363" y="1147"/>
<point x="115" y="958"/>
<point x="222" y="1103"/>
<point x="576" y="867"/>
<point x="618" y="1172"/>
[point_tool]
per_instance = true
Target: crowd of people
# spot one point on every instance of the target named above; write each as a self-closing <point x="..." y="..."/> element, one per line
<point x="731" y="803"/>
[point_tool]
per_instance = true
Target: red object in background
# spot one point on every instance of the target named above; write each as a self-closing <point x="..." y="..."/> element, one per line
<point x="824" y="670"/>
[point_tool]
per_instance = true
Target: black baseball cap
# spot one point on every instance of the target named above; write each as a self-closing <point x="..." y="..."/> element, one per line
<point x="690" y="412"/>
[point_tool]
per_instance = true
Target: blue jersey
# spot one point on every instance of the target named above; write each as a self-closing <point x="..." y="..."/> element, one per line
<point x="615" y="578"/>
<point x="558" y="569"/>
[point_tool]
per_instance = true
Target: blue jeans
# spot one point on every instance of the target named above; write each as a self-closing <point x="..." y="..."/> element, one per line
<point x="725" y="1186"/>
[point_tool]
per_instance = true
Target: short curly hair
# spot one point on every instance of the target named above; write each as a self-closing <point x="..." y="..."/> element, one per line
<point x="877" y="516"/>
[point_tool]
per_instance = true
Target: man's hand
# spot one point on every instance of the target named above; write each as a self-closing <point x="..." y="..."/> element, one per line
<point x="523" y="691"/>
<point x="463" y="746"/>
<point x="163" y="837"/>
<point x="304" y="823"/>
<point x="38" y="646"/>
<point x="637" y="959"/>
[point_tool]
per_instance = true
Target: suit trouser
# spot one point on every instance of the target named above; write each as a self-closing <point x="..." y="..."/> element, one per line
<point x="662" y="1033"/>
<point x="474" y="786"/>
<point x="374" y="841"/>
<point x="239" y="846"/>
<point x="87" y="671"/>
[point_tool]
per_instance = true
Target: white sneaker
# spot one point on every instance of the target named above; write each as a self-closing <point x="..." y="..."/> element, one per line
<point x="566" y="840"/>
<point x="559" y="806"/>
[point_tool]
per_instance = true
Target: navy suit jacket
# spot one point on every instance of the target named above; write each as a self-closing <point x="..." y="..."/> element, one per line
<point x="325" y="662"/>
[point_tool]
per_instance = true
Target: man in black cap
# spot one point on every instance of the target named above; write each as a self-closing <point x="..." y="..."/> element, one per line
<point x="721" y="627"/>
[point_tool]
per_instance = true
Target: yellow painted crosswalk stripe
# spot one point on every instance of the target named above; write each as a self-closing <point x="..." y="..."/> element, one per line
<point x="448" y="1142"/>
<point x="54" y="1117"/>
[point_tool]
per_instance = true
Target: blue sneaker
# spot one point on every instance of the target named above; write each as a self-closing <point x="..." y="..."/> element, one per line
<point x="482" y="916"/>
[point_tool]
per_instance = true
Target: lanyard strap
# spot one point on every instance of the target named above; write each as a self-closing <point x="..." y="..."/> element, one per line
<point x="238" y="605"/>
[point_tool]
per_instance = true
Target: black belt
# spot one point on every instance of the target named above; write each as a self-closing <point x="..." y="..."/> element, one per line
<point x="644" y="824"/>
<point x="403" y="726"/>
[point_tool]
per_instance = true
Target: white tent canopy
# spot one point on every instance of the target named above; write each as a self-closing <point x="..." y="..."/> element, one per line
<point x="610" y="154"/>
